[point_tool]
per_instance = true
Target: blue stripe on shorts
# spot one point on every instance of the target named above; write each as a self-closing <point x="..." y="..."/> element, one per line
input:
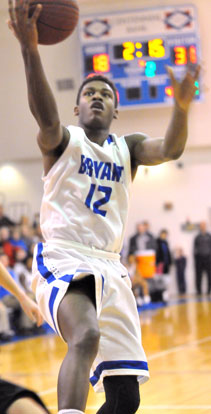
<point x="47" y="274"/>
<point x="41" y="267"/>
<point x="121" y="364"/>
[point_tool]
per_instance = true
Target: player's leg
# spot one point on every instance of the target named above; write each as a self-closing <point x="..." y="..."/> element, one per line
<point x="199" y="271"/>
<point x="15" y="399"/>
<point x="122" y="395"/>
<point x="209" y="280"/>
<point x="79" y="327"/>
<point x="25" y="406"/>
<point x="208" y="272"/>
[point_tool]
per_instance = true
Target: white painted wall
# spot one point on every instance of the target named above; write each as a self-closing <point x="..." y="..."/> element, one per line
<point x="187" y="188"/>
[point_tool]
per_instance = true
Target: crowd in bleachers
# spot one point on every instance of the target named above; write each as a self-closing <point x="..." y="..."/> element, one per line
<point x="149" y="260"/>
<point x="17" y="241"/>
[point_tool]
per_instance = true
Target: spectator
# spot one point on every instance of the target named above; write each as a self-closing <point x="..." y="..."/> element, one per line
<point x="141" y="253"/>
<point x="6" y="246"/>
<point x="139" y="284"/>
<point x="163" y="264"/>
<point x="21" y="322"/>
<point x="142" y="239"/>
<point x="180" y="262"/>
<point x="17" y="241"/>
<point x="163" y="254"/>
<point x="23" y="270"/>
<point x="5" y="220"/>
<point x="27" y="234"/>
<point x="202" y="256"/>
<point x="24" y="221"/>
<point x="147" y="230"/>
<point x="36" y="220"/>
<point x="37" y="234"/>
<point x="6" y="333"/>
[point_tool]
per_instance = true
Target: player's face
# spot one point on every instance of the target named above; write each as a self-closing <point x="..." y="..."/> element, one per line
<point x="96" y="107"/>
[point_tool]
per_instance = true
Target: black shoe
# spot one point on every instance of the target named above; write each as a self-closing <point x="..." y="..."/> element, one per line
<point x="6" y="336"/>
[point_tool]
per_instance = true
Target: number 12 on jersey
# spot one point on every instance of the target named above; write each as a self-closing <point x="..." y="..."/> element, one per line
<point x="95" y="207"/>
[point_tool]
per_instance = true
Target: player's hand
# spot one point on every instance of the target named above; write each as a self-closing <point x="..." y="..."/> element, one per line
<point x="31" y="309"/>
<point x="185" y="90"/>
<point x="23" y="26"/>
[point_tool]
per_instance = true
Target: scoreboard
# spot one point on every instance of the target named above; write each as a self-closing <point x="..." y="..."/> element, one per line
<point x="133" y="47"/>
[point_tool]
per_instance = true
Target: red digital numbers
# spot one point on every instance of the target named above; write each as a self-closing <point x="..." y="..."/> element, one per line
<point x="192" y="54"/>
<point x="180" y="55"/>
<point x="183" y="55"/>
<point x="101" y="63"/>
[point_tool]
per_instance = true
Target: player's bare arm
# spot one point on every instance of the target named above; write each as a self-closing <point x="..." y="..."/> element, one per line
<point x="148" y="151"/>
<point x="28" y="305"/>
<point x="52" y="134"/>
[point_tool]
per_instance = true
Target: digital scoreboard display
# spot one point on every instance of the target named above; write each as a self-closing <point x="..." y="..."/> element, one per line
<point x="132" y="48"/>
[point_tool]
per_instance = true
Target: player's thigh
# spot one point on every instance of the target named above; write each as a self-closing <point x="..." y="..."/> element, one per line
<point x="25" y="406"/>
<point x="77" y="310"/>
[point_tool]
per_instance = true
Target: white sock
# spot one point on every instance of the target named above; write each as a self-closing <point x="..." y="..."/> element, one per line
<point x="70" y="412"/>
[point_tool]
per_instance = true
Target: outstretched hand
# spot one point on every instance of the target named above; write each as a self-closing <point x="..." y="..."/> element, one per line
<point x="23" y="26"/>
<point x="185" y="90"/>
<point x="31" y="309"/>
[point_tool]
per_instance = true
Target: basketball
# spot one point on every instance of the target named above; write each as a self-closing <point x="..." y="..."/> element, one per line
<point x="57" y="20"/>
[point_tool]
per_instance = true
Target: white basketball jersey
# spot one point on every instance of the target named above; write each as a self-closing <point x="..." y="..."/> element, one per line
<point x="86" y="193"/>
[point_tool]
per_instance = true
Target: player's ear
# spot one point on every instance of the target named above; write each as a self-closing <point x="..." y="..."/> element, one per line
<point x="76" y="110"/>
<point x="116" y="113"/>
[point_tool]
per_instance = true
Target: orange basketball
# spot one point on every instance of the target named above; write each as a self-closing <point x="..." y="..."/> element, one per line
<point x="57" y="20"/>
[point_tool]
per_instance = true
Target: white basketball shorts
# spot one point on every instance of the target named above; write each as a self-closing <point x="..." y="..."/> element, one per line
<point x="120" y="352"/>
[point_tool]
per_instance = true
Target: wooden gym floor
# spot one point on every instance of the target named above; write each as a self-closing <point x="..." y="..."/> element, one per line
<point x="177" y="341"/>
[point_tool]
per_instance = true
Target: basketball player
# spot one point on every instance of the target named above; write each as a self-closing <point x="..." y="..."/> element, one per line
<point x="15" y="399"/>
<point x="83" y="290"/>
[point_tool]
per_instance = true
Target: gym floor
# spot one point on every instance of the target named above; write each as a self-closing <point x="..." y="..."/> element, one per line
<point x="177" y="341"/>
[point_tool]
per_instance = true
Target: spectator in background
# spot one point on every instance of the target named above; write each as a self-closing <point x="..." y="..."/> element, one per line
<point x="141" y="254"/>
<point x="36" y="220"/>
<point x="202" y="256"/>
<point x="6" y="246"/>
<point x="140" y="286"/>
<point x="27" y="234"/>
<point x="142" y="239"/>
<point x="17" y="241"/>
<point x="23" y="271"/>
<point x="180" y="262"/>
<point x="24" y="221"/>
<point x="163" y="254"/>
<point x="22" y="324"/>
<point x="37" y="237"/>
<point x="6" y="333"/>
<point x="163" y="264"/>
<point x="5" y="221"/>
<point x="147" y="230"/>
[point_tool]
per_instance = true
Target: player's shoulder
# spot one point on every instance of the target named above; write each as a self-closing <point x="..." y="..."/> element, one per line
<point x="73" y="130"/>
<point x="134" y="138"/>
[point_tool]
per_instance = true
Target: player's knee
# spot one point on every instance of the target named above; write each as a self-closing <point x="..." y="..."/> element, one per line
<point x="128" y="400"/>
<point x="88" y="341"/>
<point x="131" y="403"/>
<point x="124" y="391"/>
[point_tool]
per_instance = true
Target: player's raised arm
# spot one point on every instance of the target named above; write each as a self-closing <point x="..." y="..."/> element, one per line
<point x="41" y="99"/>
<point x="28" y="305"/>
<point x="147" y="151"/>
